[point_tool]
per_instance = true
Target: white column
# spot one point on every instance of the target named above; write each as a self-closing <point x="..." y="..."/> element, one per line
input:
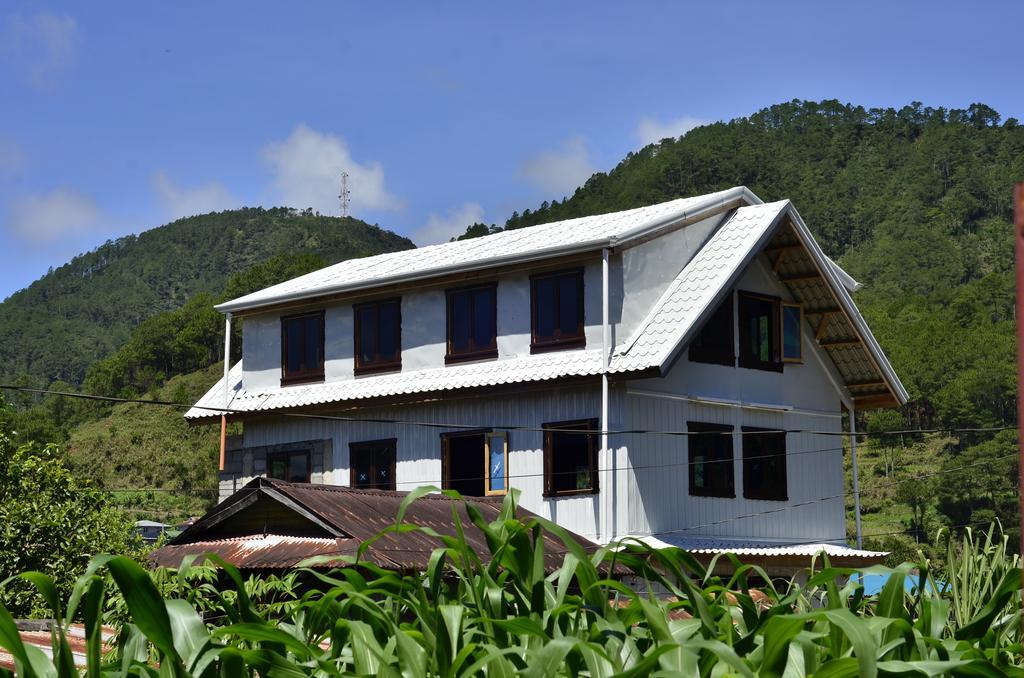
<point x="856" y="474"/>
<point x="605" y="466"/>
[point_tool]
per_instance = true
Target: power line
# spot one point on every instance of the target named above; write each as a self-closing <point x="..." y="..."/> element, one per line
<point x="499" y="427"/>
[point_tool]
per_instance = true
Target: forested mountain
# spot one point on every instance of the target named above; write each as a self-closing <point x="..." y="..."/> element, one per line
<point x="83" y="311"/>
<point x="914" y="202"/>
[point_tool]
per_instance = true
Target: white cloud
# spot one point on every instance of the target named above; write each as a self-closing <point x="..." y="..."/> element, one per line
<point x="650" y="131"/>
<point x="559" y="172"/>
<point x="307" y="170"/>
<point x="187" y="201"/>
<point x="440" y="229"/>
<point x="58" y="214"/>
<point x="41" y="46"/>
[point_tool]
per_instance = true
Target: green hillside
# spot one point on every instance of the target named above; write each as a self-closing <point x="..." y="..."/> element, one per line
<point x="81" y="312"/>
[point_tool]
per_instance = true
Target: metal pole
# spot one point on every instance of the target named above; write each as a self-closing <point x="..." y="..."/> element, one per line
<point x="227" y="390"/>
<point x="1018" y="239"/>
<point x="856" y="473"/>
<point x="606" y="512"/>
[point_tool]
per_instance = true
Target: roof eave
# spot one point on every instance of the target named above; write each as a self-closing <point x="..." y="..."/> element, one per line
<point x="739" y="193"/>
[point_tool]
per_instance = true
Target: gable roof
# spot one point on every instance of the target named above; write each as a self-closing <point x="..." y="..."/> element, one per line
<point x="748" y="231"/>
<point x="517" y="246"/>
<point x="269" y="524"/>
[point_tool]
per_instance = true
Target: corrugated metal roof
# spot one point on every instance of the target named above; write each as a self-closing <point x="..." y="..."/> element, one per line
<point x="696" y="288"/>
<point x="38" y="633"/>
<point x="508" y="247"/>
<point x="762" y="549"/>
<point x="347" y="517"/>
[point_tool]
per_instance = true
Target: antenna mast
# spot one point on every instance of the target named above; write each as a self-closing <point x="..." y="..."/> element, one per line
<point x="344" y="195"/>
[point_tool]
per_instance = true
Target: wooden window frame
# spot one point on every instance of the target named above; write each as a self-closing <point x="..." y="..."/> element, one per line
<point x="287" y="454"/>
<point x="308" y="375"/>
<point x="474" y="353"/>
<point x="446" y="464"/>
<point x="354" y="448"/>
<point x="559" y="342"/>
<point x="589" y="425"/>
<point x="748" y="492"/>
<point x="376" y="366"/>
<point x="503" y="435"/>
<point x="775" y="316"/>
<point x="782" y="331"/>
<point x="710" y="429"/>
<point x="726" y="358"/>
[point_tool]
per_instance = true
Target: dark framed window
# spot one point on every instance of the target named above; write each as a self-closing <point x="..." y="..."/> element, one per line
<point x="792" y="337"/>
<point x="711" y="464"/>
<point x="764" y="464"/>
<point x="570" y="458"/>
<point x="472" y="323"/>
<point x="714" y="343"/>
<point x="302" y="348"/>
<point x="372" y="464"/>
<point x="378" y="336"/>
<point x="292" y="466"/>
<point x="475" y="463"/>
<point x="556" y="311"/>
<point x="759" y="318"/>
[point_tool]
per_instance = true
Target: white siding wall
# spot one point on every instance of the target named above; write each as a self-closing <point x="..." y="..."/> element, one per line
<point x="419" y="448"/>
<point x="423" y="329"/>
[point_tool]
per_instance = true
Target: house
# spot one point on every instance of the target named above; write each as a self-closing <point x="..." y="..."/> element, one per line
<point x="150" y="530"/>
<point x="273" y="525"/>
<point x="677" y="373"/>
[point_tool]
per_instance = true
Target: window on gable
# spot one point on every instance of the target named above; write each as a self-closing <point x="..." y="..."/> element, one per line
<point x="711" y="460"/>
<point x="759" y="318"/>
<point x="472" y="324"/>
<point x="714" y="343"/>
<point x="556" y="302"/>
<point x="570" y="458"/>
<point x="372" y="464"/>
<point x="378" y="336"/>
<point x="792" y="337"/>
<point x="764" y="464"/>
<point x="292" y="466"/>
<point x="302" y="348"/>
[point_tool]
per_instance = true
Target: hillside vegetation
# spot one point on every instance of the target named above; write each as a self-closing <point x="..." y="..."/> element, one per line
<point x="83" y="311"/>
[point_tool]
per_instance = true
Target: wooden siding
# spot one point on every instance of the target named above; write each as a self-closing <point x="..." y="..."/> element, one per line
<point x="419" y="448"/>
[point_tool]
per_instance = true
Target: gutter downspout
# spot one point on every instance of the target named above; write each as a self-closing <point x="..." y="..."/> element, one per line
<point x="607" y="512"/>
<point x="227" y="389"/>
<point x="856" y="475"/>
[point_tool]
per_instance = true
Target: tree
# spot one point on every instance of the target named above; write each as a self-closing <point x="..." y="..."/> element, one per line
<point x="50" y="521"/>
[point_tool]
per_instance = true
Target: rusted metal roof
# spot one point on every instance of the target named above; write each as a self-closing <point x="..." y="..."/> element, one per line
<point x="273" y="524"/>
<point x="39" y="634"/>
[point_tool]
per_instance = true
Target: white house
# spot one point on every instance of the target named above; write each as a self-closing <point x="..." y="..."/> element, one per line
<point x="709" y="337"/>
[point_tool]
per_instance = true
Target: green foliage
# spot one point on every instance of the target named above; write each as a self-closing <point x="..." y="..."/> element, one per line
<point x="50" y="521"/>
<point x="465" y="617"/>
<point x="86" y="309"/>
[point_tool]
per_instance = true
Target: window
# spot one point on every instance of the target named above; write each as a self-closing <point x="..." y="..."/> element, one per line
<point x="714" y="343"/>
<point x="764" y="464"/>
<point x="378" y="340"/>
<point x="556" y="304"/>
<point x="372" y="464"/>
<point x="291" y="466"/>
<point x="792" y="337"/>
<point x="472" y="324"/>
<point x="570" y="458"/>
<point x="759" y="332"/>
<point x="475" y="463"/>
<point x="711" y="462"/>
<point x="302" y="348"/>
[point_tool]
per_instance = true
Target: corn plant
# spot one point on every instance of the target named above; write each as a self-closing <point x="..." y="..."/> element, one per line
<point x="504" y="615"/>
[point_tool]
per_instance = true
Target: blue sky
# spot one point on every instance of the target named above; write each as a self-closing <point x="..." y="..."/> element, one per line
<point x="118" y="117"/>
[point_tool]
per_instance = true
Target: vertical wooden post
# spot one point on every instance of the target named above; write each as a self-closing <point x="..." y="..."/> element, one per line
<point x="1018" y="239"/>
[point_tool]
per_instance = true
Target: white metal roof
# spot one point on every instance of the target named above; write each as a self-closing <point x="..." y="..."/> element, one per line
<point x="711" y="546"/>
<point x="508" y="247"/>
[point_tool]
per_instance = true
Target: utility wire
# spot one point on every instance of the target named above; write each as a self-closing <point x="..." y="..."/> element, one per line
<point x="504" y="427"/>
